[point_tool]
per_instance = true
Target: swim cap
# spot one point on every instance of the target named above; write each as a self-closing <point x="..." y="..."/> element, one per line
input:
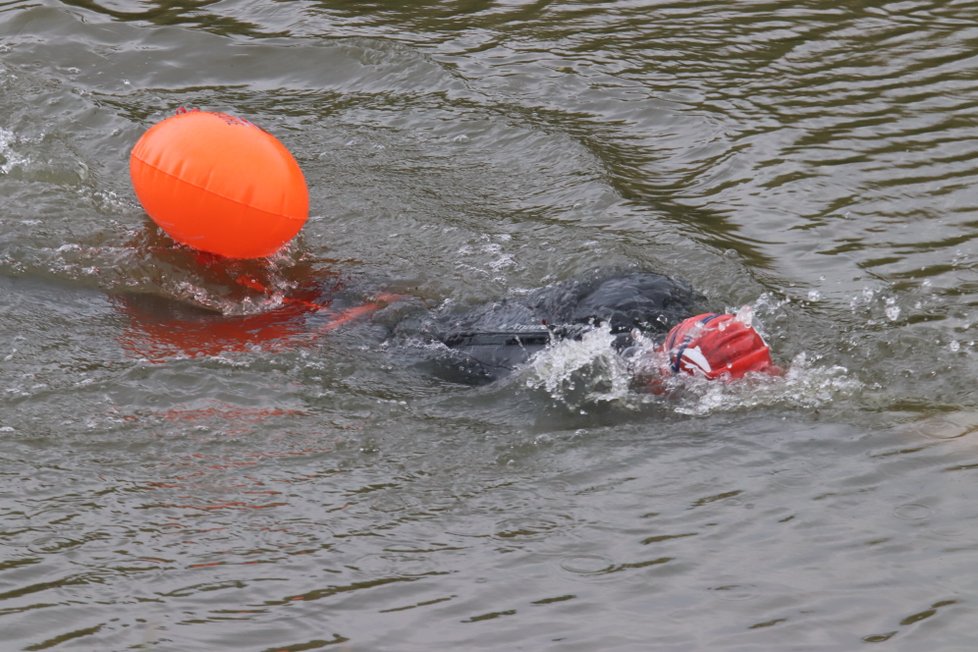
<point x="713" y="345"/>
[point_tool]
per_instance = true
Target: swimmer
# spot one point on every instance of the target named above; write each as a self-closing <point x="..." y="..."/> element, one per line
<point x="639" y="308"/>
<point x="225" y="188"/>
<point x="658" y="323"/>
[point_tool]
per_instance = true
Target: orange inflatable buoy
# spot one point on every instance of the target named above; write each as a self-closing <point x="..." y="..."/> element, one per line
<point x="220" y="184"/>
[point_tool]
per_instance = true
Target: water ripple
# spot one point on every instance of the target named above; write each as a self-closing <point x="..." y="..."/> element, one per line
<point x="168" y="486"/>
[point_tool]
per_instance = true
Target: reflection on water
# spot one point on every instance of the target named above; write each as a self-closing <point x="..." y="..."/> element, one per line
<point x="184" y="468"/>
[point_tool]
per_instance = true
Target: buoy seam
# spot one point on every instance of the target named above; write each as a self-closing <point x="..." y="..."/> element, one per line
<point x="219" y="194"/>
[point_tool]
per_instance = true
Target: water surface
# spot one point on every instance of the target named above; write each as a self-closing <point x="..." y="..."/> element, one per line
<point x="229" y="483"/>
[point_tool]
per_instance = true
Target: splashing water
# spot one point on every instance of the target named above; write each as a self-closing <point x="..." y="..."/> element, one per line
<point x="9" y="159"/>
<point x="745" y="315"/>
<point x="578" y="373"/>
<point x="804" y="385"/>
<point x="892" y="310"/>
<point x="583" y="374"/>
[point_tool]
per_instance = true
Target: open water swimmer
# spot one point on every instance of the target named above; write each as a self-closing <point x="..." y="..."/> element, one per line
<point x="458" y="326"/>
<point x="659" y="326"/>
<point x="220" y="185"/>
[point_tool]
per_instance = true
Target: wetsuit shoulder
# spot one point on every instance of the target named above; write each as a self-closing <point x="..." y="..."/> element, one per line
<point x="648" y="301"/>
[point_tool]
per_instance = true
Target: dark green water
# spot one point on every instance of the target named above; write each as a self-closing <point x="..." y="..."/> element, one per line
<point x="816" y="161"/>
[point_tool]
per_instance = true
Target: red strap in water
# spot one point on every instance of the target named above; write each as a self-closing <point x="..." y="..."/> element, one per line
<point x="357" y="312"/>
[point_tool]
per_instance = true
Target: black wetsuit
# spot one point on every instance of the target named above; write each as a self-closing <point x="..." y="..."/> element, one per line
<point x="473" y="345"/>
<point x="490" y="341"/>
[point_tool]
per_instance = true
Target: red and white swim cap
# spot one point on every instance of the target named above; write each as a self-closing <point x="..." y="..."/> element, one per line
<point x="713" y="345"/>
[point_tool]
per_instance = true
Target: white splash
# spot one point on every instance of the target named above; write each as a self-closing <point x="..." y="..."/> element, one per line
<point x="892" y="310"/>
<point x="804" y="385"/>
<point x="9" y="158"/>
<point x="745" y="315"/>
<point x="580" y="372"/>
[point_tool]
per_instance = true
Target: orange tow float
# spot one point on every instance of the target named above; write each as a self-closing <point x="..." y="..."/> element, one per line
<point x="218" y="183"/>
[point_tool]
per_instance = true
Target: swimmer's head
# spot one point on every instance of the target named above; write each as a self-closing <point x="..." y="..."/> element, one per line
<point x="717" y="345"/>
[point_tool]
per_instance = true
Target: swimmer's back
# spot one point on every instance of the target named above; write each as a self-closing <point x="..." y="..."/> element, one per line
<point x="488" y="342"/>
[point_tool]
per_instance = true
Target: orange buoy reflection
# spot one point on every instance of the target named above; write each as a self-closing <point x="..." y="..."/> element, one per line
<point x="160" y="329"/>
